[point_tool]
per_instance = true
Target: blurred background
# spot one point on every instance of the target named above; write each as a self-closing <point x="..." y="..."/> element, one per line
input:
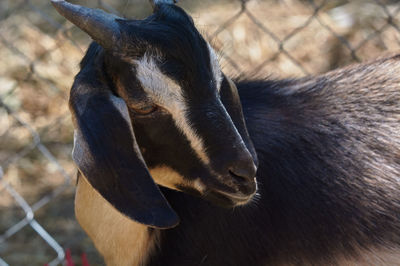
<point x="39" y="56"/>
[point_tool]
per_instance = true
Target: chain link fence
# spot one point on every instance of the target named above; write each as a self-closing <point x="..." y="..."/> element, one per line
<point x="40" y="53"/>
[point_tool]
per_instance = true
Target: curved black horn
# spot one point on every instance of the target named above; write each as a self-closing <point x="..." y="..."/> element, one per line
<point x="157" y="2"/>
<point x="101" y="26"/>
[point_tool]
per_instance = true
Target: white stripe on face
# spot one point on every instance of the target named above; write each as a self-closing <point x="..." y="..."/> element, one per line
<point x="168" y="94"/>
<point x="216" y="70"/>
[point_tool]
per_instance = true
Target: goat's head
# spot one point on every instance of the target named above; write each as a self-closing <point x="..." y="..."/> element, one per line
<point x="157" y="104"/>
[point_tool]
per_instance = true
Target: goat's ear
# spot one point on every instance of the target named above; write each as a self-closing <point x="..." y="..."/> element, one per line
<point x="231" y="100"/>
<point x="106" y="153"/>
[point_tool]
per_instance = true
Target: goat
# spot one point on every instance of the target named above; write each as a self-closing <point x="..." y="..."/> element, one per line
<point x="161" y="131"/>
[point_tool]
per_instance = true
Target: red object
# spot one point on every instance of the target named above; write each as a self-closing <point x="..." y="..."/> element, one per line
<point x="68" y="258"/>
<point x="84" y="259"/>
<point x="70" y="262"/>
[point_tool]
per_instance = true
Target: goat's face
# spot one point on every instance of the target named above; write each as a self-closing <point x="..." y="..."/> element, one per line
<point x="185" y="113"/>
<point x="172" y="88"/>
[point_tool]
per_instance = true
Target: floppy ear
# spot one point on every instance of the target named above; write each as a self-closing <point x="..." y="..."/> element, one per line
<point x="231" y="100"/>
<point x="106" y="153"/>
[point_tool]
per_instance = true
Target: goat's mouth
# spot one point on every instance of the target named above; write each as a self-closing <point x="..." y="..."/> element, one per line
<point x="226" y="199"/>
<point x="230" y="192"/>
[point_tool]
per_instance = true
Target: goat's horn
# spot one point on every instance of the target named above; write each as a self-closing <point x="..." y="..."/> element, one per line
<point x="101" y="26"/>
<point x="157" y="2"/>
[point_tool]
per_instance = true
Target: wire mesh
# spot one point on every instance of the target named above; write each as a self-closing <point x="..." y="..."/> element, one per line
<point x="40" y="52"/>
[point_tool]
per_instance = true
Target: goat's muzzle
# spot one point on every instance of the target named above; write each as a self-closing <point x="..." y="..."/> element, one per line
<point x="227" y="199"/>
<point x="237" y="186"/>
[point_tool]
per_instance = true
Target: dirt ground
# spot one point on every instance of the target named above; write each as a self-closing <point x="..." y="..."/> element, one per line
<point x="40" y="53"/>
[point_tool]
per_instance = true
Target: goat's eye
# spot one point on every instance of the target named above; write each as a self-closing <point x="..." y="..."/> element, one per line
<point x="145" y="110"/>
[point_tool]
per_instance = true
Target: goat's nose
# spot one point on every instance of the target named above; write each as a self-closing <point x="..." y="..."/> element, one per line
<point x="243" y="170"/>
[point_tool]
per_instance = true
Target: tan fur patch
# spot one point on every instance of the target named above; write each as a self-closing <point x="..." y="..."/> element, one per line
<point x="120" y="240"/>
<point x="167" y="177"/>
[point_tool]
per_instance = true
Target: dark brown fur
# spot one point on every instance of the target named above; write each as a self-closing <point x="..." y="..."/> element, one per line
<point x="329" y="177"/>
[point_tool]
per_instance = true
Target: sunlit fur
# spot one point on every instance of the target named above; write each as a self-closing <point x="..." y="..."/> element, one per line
<point x="167" y="177"/>
<point x="120" y="240"/>
<point x="217" y="73"/>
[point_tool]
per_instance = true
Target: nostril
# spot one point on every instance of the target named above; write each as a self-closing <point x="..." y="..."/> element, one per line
<point x="244" y="179"/>
<point x="238" y="178"/>
<point x="243" y="174"/>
